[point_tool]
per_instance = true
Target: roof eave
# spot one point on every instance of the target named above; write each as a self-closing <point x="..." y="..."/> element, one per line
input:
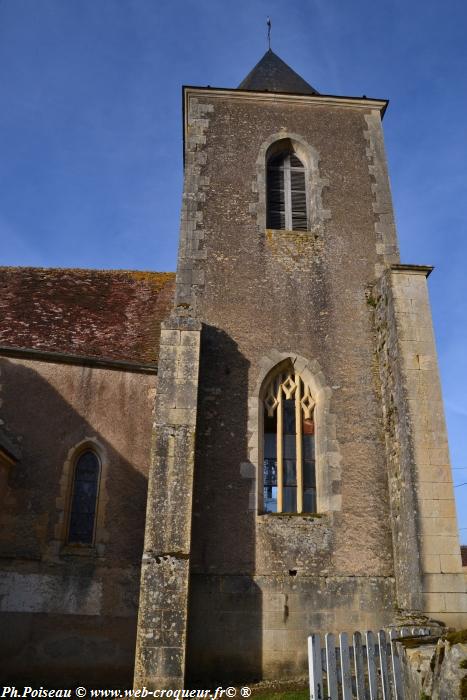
<point x="79" y="360"/>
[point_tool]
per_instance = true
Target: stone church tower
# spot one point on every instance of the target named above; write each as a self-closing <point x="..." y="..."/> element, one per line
<point x="300" y="479"/>
<point x="295" y="469"/>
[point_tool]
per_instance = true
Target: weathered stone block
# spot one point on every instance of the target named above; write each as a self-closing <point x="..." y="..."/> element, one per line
<point x="181" y="416"/>
<point x="450" y="563"/>
<point x="438" y="526"/>
<point x="434" y="602"/>
<point x="435" y="544"/>
<point x="431" y="563"/>
<point x="444" y="583"/>
<point x="456" y="602"/>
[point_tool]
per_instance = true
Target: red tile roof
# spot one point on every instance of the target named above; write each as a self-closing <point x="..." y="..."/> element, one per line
<point x="112" y="314"/>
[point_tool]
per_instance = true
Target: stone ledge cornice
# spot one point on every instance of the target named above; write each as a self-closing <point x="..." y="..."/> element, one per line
<point x="291" y="98"/>
<point x="417" y="269"/>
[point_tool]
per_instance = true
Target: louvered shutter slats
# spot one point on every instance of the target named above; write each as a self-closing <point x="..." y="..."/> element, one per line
<point x="276" y="197"/>
<point x="295" y="162"/>
<point x="286" y="193"/>
<point x="299" y="219"/>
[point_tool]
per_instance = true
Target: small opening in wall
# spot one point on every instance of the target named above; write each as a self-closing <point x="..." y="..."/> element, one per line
<point x="292" y="572"/>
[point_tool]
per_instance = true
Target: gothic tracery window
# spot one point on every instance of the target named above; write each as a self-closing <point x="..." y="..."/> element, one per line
<point x="286" y="192"/>
<point x="84" y="499"/>
<point x="289" y="480"/>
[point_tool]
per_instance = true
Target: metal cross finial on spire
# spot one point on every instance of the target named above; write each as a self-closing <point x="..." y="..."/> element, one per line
<point x="269" y="32"/>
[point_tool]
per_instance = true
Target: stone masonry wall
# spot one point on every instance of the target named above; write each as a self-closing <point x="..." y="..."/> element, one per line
<point x="270" y="580"/>
<point x="427" y="550"/>
<point x="68" y="613"/>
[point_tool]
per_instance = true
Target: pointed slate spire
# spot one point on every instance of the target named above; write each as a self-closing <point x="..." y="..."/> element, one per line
<point x="272" y="74"/>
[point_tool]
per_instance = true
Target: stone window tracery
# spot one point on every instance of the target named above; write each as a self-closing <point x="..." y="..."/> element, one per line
<point x="289" y="477"/>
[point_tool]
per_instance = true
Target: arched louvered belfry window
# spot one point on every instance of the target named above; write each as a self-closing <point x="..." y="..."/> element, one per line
<point x="86" y="479"/>
<point x="289" y="476"/>
<point x="286" y="192"/>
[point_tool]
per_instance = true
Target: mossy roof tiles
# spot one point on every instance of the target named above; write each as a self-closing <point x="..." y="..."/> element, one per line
<point x="112" y="314"/>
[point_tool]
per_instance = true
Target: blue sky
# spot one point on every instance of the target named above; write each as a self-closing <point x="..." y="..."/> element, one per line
<point x="90" y="130"/>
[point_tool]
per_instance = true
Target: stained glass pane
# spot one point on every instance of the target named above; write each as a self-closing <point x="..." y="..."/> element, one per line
<point x="309" y="473"/>
<point x="83" y="505"/>
<point x="270" y="464"/>
<point x="289" y="417"/>
<point x="289" y="504"/>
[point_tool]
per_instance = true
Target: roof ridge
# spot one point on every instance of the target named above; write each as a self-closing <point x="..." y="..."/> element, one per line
<point x="14" y="268"/>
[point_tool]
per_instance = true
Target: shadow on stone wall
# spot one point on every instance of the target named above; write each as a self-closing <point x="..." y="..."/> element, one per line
<point x="225" y="608"/>
<point x="69" y="619"/>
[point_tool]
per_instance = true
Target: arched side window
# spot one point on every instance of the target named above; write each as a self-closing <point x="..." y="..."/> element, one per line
<point x="286" y="192"/>
<point x="289" y="478"/>
<point x="84" y="495"/>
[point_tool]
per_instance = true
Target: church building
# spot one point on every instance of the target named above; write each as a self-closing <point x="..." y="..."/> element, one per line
<point x="199" y="470"/>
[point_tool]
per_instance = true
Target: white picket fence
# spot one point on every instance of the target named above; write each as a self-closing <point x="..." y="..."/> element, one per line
<point x="377" y="668"/>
